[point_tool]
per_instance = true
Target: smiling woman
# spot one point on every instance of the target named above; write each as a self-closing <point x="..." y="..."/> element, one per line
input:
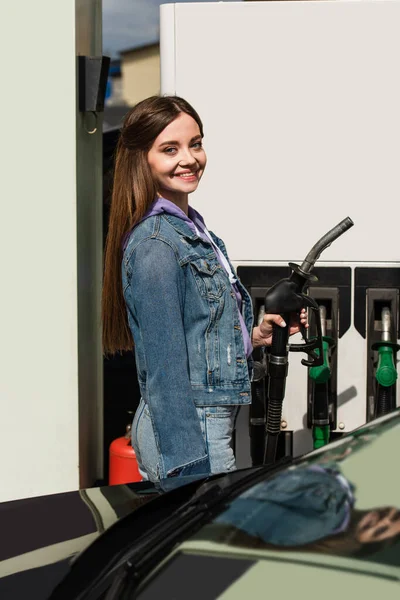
<point x="171" y="292"/>
<point x="177" y="160"/>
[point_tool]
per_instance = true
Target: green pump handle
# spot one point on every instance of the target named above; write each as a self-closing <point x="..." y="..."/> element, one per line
<point x="386" y="373"/>
<point x="322" y="373"/>
<point x="321" y="435"/>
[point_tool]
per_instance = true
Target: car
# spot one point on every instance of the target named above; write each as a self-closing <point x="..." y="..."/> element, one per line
<point x="323" y="525"/>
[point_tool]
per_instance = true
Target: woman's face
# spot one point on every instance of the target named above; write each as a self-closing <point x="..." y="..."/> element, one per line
<point x="378" y="525"/>
<point x="177" y="159"/>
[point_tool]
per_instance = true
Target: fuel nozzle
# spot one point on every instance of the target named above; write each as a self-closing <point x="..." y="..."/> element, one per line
<point x="320" y="377"/>
<point x="386" y="373"/>
<point x="285" y="298"/>
<point x="322" y="373"/>
<point x="323" y="243"/>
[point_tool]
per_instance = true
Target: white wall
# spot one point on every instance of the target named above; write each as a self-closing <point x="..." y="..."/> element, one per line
<point x="300" y="108"/>
<point x="39" y="400"/>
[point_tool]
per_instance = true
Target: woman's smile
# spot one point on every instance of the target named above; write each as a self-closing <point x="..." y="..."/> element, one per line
<point x="187" y="175"/>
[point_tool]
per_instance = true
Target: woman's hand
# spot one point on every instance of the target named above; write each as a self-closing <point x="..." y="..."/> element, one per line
<point x="262" y="335"/>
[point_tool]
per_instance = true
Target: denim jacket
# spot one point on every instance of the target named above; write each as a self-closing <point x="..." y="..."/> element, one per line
<point x="189" y="345"/>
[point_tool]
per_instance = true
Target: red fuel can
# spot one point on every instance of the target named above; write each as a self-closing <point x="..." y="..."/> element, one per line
<point x="122" y="461"/>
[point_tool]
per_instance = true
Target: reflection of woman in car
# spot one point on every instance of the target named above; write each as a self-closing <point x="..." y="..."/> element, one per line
<point x="307" y="509"/>
<point x="171" y="292"/>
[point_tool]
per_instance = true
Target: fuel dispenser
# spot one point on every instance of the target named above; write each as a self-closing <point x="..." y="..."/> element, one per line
<point x="331" y="290"/>
<point x="287" y="297"/>
<point x="333" y="296"/>
<point x="377" y="320"/>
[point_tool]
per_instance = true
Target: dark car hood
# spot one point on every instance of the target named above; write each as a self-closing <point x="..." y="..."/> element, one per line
<point x="41" y="536"/>
<point x="335" y="508"/>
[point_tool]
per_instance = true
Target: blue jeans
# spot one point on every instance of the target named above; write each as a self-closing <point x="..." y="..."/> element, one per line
<point x="217" y="426"/>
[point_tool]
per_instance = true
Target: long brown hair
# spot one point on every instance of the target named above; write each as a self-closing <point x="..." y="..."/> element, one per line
<point x="133" y="192"/>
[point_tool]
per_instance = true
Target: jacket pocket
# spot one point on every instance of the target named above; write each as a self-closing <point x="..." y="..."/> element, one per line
<point x="143" y="437"/>
<point x="209" y="277"/>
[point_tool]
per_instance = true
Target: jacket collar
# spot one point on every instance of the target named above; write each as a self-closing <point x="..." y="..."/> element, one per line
<point x="181" y="227"/>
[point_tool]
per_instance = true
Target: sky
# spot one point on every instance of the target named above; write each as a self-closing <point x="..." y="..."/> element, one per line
<point x="130" y="23"/>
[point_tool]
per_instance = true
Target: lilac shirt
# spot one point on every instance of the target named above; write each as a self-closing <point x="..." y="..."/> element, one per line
<point x="161" y="205"/>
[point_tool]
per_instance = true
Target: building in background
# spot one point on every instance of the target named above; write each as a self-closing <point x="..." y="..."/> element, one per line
<point x="132" y="77"/>
<point x="140" y="70"/>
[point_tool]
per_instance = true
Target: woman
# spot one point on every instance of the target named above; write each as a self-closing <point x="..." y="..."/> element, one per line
<point x="176" y="298"/>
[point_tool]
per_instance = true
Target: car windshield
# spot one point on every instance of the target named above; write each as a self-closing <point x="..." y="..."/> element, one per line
<point x="336" y="512"/>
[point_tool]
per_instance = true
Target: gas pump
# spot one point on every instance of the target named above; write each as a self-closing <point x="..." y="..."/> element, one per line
<point x="287" y="297"/>
<point x="376" y="296"/>
<point x="320" y="408"/>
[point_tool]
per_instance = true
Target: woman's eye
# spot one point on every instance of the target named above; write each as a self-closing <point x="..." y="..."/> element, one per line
<point x="169" y="150"/>
<point x="197" y="145"/>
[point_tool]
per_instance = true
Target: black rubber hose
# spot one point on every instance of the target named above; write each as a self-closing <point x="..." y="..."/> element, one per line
<point x="257" y="422"/>
<point x="384" y="404"/>
<point x="273" y="430"/>
<point x="277" y="373"/>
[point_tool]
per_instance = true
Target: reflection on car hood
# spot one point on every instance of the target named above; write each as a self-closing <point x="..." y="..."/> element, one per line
<point x="343" y="500"/>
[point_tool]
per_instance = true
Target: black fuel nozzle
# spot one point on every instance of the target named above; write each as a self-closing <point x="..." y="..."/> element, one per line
<point x="287" y="297"/>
